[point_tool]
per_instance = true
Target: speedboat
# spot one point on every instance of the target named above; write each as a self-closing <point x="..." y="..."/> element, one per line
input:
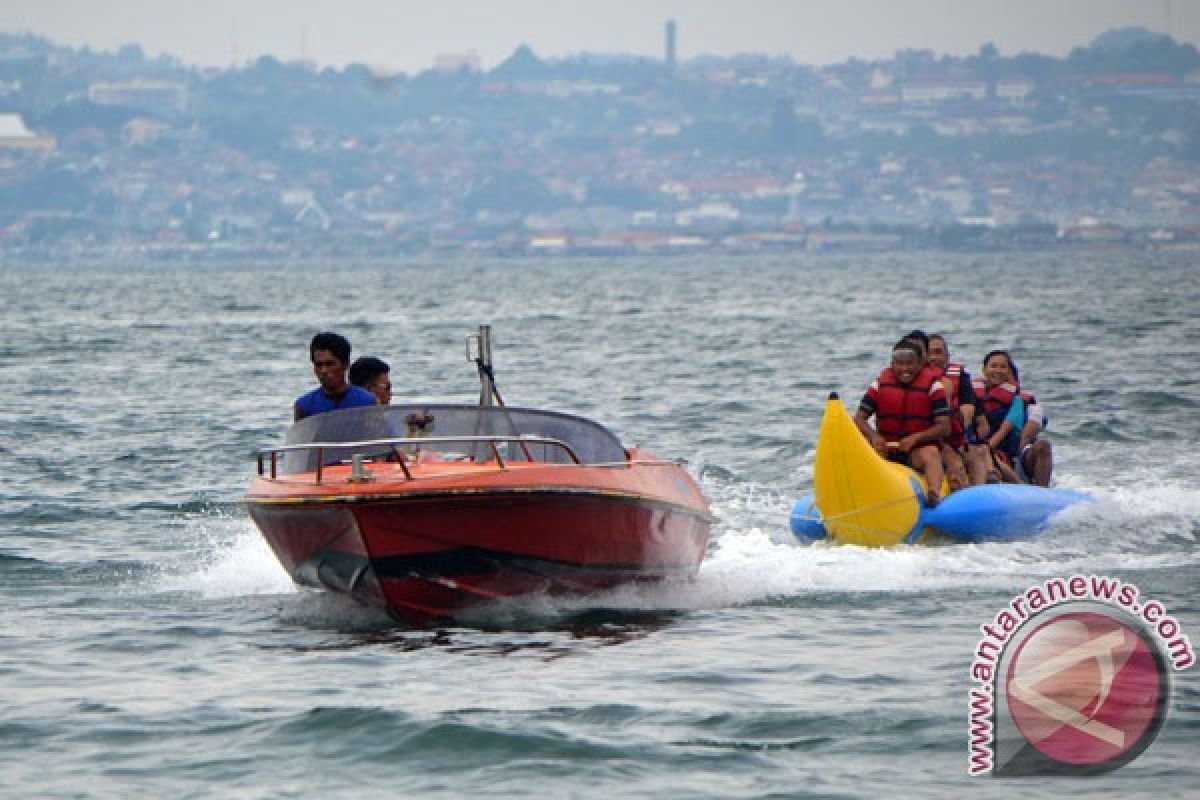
<point x="861" y="498"/>
<point x="427" y="510"/>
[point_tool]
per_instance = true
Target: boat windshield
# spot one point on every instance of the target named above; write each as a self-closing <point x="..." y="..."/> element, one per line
<point x="591" y="442"/>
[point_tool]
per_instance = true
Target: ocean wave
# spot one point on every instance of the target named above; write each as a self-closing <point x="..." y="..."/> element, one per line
<point x="1157" y="401"/>
<point x="1106" y="430"/>
<point x="199" y="504"/>
<point x="31" y="572"/>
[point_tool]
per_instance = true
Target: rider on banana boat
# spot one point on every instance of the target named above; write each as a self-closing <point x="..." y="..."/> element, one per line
<point x="912" y="415"/>
<point x="966" y="463"/>
<point x="919" y="337"/>
<point x="1035" y="459"/>
<point x="1014" y="420"/>
<point x="952" y="461"/>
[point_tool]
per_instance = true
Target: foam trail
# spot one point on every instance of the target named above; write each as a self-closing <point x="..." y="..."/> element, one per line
<point x="751" y="567"/>
<point x="754" y="558"/>
<point x="757" y="558"/>
<point x="234" y="562"/>
<point x="1158" y="498"/>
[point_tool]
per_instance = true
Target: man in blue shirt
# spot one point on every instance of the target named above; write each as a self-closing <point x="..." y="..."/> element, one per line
<point x="330" y="354"/>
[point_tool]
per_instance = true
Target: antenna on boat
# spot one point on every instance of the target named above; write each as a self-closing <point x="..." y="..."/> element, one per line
<point x="482" y="356"/>
<point x="487" y="377"/>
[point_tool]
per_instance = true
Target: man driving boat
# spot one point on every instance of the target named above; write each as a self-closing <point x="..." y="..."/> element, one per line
<point x="330" y="355"/>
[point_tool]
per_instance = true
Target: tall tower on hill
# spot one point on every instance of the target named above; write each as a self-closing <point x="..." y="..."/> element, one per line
<point x="670" y="54"/>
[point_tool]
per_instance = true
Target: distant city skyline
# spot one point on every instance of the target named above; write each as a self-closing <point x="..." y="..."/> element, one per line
<point x="401" y="35"/>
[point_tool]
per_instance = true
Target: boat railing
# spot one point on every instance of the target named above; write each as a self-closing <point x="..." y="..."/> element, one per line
<point x="270" y="456"/>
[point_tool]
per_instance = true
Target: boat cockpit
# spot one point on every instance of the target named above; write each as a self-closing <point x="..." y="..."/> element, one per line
<point x="447" y="432"/>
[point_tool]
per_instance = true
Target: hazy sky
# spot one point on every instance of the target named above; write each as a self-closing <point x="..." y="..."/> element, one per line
<point x="406" y="35"/>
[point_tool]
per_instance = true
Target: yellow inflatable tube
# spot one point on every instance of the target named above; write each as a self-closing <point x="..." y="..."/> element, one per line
<point x="863" y="498"/>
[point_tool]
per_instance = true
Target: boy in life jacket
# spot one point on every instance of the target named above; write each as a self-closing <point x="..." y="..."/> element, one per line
<point x="964" y="459"/>
<point x="911" y="414"/>
<point x="1014" y="420"/>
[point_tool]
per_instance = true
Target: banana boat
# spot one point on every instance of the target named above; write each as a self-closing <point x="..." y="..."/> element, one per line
<point x="863" y="499"/>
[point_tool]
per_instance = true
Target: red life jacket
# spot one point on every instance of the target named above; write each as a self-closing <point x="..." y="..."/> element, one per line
<point x="902" y="409"/>
<point x="953" y="375"/>
<point x="995" y="398"/>
<point x="996" y="402"/>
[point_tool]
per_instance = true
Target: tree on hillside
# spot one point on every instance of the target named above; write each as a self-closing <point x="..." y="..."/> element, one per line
<point x="522" y="65"/>
<point x="1138" y="54"/>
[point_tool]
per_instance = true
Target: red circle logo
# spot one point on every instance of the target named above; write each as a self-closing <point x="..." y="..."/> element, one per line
<point x="1086" y="689"/>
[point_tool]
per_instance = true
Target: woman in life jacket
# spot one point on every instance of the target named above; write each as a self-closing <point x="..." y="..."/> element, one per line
<point x="911" y="414"/>
<point x="997" y="392"/>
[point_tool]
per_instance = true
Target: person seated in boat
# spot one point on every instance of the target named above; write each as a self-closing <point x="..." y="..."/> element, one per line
<point x="374" y="375"/>
<point x="965" y="461"/>
<point x="1014" y="420"/>
<point x="953" y="462"/>
<point x="921" y="340"/>
<point x="330" y="355"/>
<point x="911" y="414"/>
<point x="1035" y="459"/>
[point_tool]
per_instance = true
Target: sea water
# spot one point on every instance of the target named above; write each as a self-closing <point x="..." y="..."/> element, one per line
<point x="151" y="646"/>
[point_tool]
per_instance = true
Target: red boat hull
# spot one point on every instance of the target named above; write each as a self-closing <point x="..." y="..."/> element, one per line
<point x="429" y="548"/>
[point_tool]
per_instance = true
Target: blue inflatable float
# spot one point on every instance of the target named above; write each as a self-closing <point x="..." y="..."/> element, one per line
<point x="994" y="513"/>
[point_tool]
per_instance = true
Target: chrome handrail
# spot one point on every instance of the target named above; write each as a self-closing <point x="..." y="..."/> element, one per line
<point x="491" y="441"/>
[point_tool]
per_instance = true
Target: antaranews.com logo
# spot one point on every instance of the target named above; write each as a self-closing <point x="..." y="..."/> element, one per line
<point x="1073" y="678"/>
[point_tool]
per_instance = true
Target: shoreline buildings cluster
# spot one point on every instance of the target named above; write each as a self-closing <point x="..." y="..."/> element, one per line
<point x="114" y="153"/>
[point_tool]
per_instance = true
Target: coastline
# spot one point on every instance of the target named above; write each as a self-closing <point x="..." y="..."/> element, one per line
<point x="839" y="240"/>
